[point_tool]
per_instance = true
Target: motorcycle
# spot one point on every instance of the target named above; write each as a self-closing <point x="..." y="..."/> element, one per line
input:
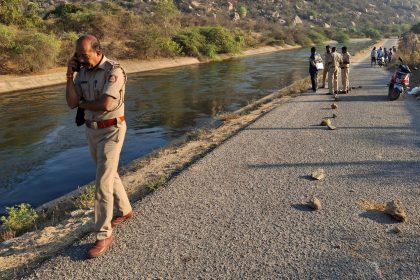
<point x="381" y="61"/>
<point x="399" y="81"/>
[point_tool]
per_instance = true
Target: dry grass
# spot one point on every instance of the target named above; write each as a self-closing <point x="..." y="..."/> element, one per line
<point x="371" y="205"/>
<point x="227" y="116"/>
<point x="409" y="48"/>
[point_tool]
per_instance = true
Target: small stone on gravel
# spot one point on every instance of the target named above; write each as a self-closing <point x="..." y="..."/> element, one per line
<point x="318" y="174"/>
<point x="331" y="127"/>
<point x="326" y="122"/>
<point x="334" y="106"/>
<point x="315" y="203"/>
<point x="395" y="230"/>
<point x="396" y="210"/>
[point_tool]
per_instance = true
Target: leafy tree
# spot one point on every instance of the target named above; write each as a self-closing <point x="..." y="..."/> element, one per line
<point x="372" y="33"/>
<point x="10" y="11"/>
<point x="17" y="12"/>
<point x="36" y="51"/>
<point x="341" y="37"/>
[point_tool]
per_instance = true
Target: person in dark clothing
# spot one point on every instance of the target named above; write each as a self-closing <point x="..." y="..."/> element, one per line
<point x="315" y="61"/>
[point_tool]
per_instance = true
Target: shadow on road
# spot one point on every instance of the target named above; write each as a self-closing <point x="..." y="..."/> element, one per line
<point x="363" y="98"/>
<point x="302" y="207"/>
<point x="352" y="97"/>
<point x="394" y="172"/>
<point x="378" y="217"/>
<point x="322" y="127"/>
<point x="413" y="107"/>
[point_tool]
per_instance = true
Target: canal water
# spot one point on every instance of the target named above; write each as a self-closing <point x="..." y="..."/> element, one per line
<point x="43" y="155"/>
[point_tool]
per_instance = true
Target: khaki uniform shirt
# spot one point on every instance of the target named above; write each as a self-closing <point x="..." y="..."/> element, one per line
<point x="336" y="60"/>
<point x="327" y="60"/>
<point x="346" y="60"/>
<point x="107" y="78"/>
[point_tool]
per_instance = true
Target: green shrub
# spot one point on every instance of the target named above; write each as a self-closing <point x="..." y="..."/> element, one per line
<point x="316" y="37"/>
<point x="279" y="35"/>
<point x="209" y="50"/>
<point x="150" y="43"/>
<point x="67" y="49"/>
<point x="7" y="36"/>
<point x="302" y="39"/>
<point x="243" y="11"/>
<point x="190" y="42"/>
<point x="22" y="13"/>
<point x="341" y="37"/>
<point x="372" y="33"/>
<point x="64" y="10"/>
<point x="30" y="17"/>
<point x="221" y="38"/>
<point x="86" y="199"/>
<point x="166" y="15"/>
<point x="36" y="51"/>
<point x="10" y="11"/>
<point x="168" y="48"/>
<point x="74" y="18"/>
<point x="239" y="37"/>
<point x="19" y="218"/>
<point x="209" y="41"/>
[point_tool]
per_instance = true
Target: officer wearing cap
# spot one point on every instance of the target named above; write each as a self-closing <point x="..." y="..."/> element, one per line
<point x="345" y="69"/>
<point x="99" y="87"/>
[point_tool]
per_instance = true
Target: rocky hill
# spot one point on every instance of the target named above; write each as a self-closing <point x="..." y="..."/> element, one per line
<point x="143" y="29"/>
<point x="340" y="13"/>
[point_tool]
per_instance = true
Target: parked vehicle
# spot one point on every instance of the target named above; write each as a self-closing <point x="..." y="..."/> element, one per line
<point x="399" y="81"/>
<point x="380" y="61"/>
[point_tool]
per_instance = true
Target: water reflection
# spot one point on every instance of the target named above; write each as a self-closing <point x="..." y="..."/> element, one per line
<point x="44" y="155"/>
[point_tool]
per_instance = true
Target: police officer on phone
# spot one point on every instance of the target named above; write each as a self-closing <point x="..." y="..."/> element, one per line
<point x="97" y="85"/>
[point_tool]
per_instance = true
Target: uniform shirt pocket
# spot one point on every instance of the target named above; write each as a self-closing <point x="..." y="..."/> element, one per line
<point x="85" y="89"/>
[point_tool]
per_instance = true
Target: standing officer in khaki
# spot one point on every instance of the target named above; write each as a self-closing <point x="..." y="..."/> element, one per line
<point x="333" y="72"/>
<point x="99" y="88"/>
<point x="328" y="60"/>
<point x="345" y="69"/>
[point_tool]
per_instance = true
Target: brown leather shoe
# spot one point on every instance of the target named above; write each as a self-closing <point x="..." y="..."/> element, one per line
<point x="100" y="247"/>
<point x="118" y="220"/>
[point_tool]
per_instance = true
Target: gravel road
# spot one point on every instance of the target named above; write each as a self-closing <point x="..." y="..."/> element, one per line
<point x="240" y="213"/>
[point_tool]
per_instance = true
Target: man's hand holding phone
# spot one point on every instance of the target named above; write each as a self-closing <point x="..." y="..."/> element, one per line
<point x="72" y="66"/>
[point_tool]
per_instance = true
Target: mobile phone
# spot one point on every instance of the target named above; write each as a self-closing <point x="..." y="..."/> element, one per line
<point x="78" y="65"/>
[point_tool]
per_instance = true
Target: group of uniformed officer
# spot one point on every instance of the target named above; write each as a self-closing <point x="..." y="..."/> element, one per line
<point x="333" y="63"/>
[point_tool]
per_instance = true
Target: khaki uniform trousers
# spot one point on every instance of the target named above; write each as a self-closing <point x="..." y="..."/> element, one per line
<point x="345" y="78"/>
<point x="324" y="76"/>
<point x="333" y="80"/>
<point x="105" y="146"/>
